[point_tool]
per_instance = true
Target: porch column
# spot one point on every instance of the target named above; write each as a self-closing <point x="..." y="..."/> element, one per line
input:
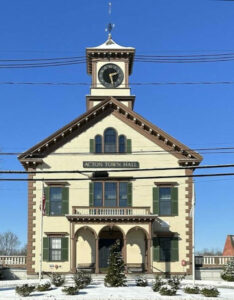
<point x="149" y="243"/>
<point x="73" y="257"/>
<point x="73" y="248"/>
<point x="149" y="270"/>
<point x="97" y="256"/>
<point x="125" y="252"/>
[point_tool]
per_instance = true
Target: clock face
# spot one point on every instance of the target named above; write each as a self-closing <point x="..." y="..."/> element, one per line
<point x="110" y="75"/>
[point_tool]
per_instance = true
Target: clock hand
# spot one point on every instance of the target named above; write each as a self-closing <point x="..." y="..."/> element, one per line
<point x="111" y="76"/>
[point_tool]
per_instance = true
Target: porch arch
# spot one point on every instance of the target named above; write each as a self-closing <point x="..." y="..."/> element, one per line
<point x="84" y="253"/>
<point x="138" y="250"/>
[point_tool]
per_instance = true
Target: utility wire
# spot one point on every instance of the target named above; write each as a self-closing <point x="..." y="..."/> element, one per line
<point x="127" y="86"/>
<point x="118" y="170"/>
<point x="104" y="178"/>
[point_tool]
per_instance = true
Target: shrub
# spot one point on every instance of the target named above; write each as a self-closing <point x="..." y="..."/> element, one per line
<point x="228" y="271"/>
<point x="82" y="279"/>
<point x="115" y="276"/>
<point x="191" y="289"/>
<point x="175" y="281"/>
<point x="209" y="291"/>
<point x="167" y="290"/>
<point x="57" y="279"/>
<point x="44" y="287"/>
<point x="159" y="282"/>
<point x="70" y="290"/>
<point x="141" y="281"/>
<point x="24" y="290"/>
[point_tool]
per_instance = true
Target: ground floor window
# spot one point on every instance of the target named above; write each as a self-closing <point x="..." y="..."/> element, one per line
<point x="55" y="248"/>
<point x="165" y="249"/>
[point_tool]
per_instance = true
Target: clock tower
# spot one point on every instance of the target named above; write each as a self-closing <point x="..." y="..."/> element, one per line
<point x="110" y="66"/>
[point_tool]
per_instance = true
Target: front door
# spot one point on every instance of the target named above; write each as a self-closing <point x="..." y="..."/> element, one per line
<point x="104" y="251"/>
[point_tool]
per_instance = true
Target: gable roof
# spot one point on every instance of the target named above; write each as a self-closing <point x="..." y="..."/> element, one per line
<point x="108" y="106"/>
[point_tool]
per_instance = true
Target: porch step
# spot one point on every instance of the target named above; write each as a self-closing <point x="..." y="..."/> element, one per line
<point x="99" y="278"/>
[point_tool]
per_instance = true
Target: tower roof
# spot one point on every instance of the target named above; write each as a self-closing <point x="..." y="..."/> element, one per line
<point x="109" y="49"/>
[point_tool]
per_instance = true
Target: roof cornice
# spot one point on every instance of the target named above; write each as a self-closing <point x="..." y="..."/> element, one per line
<point x="184" y="154"/>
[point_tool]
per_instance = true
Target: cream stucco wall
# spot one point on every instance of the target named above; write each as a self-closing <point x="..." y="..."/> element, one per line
<point x="79" y="190"/>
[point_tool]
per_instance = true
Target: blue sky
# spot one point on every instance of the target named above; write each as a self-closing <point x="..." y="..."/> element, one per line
<point x="199" y="116"/>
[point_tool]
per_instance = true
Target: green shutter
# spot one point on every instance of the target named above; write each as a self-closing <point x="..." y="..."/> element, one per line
<point x="129" y="194"/>
<point x="64" y="254"/>
<point x="174" y="249"/>
<point x="47" y="202"/>
<point x="91" y="195"/>
<point x="129" y="146"/>
<point x="156" y="249"/>
<point x="91" y="145"/>
<point x="155" y="200"/>
<point x="174" y="201"/>
<point x="46" y="244"/>
<point x="65" y="200"/>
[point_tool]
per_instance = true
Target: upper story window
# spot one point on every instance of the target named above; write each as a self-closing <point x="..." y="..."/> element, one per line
<point x="165" y="200"/>
<point x="110" y="194"/>
<point x="55" y="203"/>
<point x="122" y="144"/>
<point x="110" y="142"/>
<point x="98" y="144"/>
<point x="57" y="200"/>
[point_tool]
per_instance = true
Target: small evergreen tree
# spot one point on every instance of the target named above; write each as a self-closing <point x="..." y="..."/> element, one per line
<point x="115" y="275"/>
<point x="228" y="271"/>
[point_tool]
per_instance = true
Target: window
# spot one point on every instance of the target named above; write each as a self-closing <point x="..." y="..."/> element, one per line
<point x="165" y="201"/>
<point x="110" y="140"/>
<point x="55" y="201"/>
<point x="55" y="249"/>
<point x="111" y="194"/>
<point x="123" y="194"/>
<point x="122" y="144"/>
<point x="166" y="249"/>
<point x="98" y="144"/>
<point x="98" y="194"/>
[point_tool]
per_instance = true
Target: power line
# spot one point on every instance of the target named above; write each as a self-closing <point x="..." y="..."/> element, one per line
<point x="104" y="178"/>
<point x="116" y="170"/>
<point x="130" y="84"/>
<point x="214" y="150"/>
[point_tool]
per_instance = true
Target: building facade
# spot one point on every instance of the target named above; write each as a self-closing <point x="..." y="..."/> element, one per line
<point x="110" y="198"/>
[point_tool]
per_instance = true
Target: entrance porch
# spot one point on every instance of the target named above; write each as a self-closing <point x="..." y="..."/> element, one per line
<point x="91" y="247"/>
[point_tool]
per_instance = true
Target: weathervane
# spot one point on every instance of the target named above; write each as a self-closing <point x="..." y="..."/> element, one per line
<point x="110" y="26"/>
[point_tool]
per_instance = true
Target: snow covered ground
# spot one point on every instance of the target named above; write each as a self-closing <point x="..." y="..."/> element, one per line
<point x="97" y="291"/>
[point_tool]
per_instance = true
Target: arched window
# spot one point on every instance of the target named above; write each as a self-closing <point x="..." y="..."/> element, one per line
<point x="110" y="140"/>
<point x="98" y="144"/>
<point x="122" y="144"/>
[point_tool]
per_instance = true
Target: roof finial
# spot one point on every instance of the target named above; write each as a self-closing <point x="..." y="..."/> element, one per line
<point x="110" y="26"/>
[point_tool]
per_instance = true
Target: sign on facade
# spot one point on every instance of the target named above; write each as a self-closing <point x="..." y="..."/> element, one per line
<point x="111" y="164"/>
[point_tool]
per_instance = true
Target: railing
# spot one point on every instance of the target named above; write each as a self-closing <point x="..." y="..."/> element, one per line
<point x="111" y="211"/>
<point x="12" y="260"/>
<point x="212" y="260"/>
